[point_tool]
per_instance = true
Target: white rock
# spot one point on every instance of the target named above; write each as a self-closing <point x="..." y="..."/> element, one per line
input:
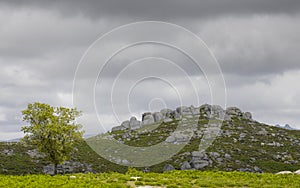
<point x="284" y="172"/>
<point x="135" y="178"/>
<point x="297" y="172"/>
<point x="72" y="177"/>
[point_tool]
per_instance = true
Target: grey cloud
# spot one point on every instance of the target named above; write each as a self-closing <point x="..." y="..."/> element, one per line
<point x="256" y="43"/>
<point x="161" y="9"/>
<point x="27" y="33"/>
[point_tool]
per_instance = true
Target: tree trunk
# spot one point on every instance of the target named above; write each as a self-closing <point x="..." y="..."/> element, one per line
<point x="55" y="169"/>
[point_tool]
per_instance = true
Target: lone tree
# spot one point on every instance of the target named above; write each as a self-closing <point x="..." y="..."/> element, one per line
<point x="52" y="130"/>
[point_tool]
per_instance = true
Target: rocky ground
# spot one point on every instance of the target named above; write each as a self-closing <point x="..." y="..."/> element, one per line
<point x="240" y="144"/>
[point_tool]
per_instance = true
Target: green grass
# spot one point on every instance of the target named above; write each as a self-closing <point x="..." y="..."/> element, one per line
<point x="170" y="179"/>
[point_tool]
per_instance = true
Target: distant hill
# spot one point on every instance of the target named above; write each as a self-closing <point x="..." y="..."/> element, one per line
<point x="242" y="144"/>
<point x="12" y="140"/>
<point x="286" y="126"/>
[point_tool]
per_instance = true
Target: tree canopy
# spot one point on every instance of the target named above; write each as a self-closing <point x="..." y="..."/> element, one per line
<point x="52" y="130"/>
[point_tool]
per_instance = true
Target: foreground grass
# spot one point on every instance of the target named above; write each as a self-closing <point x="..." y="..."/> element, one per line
<point x="170" y="179"/>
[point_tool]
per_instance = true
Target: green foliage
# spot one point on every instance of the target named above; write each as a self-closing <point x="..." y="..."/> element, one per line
<point x="170" y="179"/>
<point x="19" y="162"/>
<point x="52" y="130"/>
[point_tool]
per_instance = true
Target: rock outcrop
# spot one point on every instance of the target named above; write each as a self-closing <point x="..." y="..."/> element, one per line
<point x="134" y="123"/>
<point x="185" y="166"/>
<point x="182" y="112"/>
<point x="199" y="160"/>
<point x="168" y="167"/>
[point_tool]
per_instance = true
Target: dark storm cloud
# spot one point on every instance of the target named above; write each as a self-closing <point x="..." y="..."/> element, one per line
<point x="161" y="9"/>
<point x="256" y="42"/>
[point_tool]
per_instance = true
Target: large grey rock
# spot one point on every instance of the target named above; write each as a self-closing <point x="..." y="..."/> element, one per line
<point x="177" y="115"/>
<point x="199" y="164"/>
<point x="68" y="167"/>
<point x="245" y="170"/>
<point x="171" y="139"/>
<point x="214" y="154"/>
<point x="185" y="166"/>
<point x="257" y="169"/>
<point x="197" y="155"/>
<point x="118" y="128"/>
<point x="157" y="116"/>
<point x="168" y="167"/>
<point x="220" y="160"/>
<point x="166" y="113"/>
<point x="179" y="109"/>
<point x="247" y="115"/>
<point x="49" y="169"/>
<point x="126" y="124"/>
<point x="195" y="111"/>
<point x="217" y="112"/>
<point x="186" y="111"/>
<point x="147" y="119"/>
<point x="134" y="123"/>
<point x="227" y="156"/>
<point x="180" y="138"/>
<point x="234" y="111"/>
<point x="216" y="108"/>
<point x="146" y="114"/>
<point x="199" y="160"/>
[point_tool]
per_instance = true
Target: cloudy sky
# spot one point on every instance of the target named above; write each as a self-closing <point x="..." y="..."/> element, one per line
<point x="256" y="44"/>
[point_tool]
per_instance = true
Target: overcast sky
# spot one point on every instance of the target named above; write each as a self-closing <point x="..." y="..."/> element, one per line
<point x="256" y="44"/>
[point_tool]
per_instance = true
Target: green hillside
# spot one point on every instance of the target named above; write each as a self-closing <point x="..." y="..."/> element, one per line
<point x="241" y="145"/>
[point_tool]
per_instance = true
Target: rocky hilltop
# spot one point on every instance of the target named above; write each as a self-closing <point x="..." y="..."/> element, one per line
<point x="168" y="115"/>
<point x="241" y="144"/>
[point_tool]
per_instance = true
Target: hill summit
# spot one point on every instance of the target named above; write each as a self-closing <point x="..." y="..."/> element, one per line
<point x="240" y="143"/>
<point x="183" y="112"/>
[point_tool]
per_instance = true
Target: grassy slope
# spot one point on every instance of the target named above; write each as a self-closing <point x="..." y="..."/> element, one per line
<point x="170" y="179"/>
<point x="239" y="149"/>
